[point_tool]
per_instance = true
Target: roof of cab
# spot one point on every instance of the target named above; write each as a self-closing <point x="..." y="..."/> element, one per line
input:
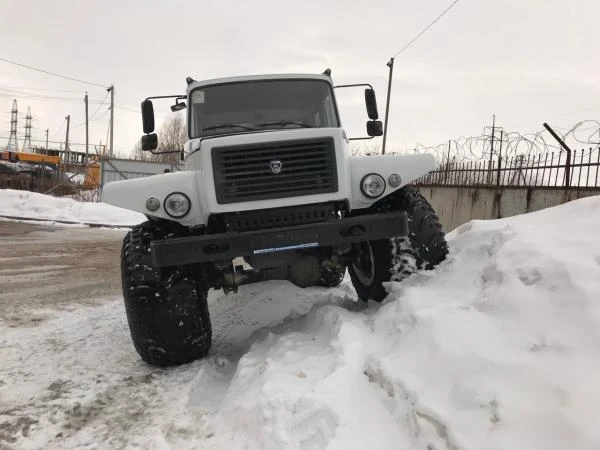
<point x="302" y="76"/>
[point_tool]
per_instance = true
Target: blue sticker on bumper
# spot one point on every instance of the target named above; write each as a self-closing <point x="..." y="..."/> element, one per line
<point x="287" y="247"/>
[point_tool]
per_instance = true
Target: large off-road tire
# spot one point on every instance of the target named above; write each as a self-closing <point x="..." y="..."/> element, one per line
<point x="377" y="262"/>
<point x="427" y="238"/>
<point x="380" y="261"/>
<point x="166" y="309"/>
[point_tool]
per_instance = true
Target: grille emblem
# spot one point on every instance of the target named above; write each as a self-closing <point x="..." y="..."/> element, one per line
<point x="275" y="165"/>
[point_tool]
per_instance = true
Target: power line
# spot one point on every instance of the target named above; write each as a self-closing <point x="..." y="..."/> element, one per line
<point x="44" y="98"/>
<point x="15" y="93"/>
<point x="71" y="144"/>
<point x="128" y="109"/>
<point x="425" y="29"/>
<point x="51" y="142"/>
<point x="52" y="73"/>
<point x="40" y="89"/>
<point x="390" y="64"/>
<point x="575" y="112"/>
<point x="97" y="119"/>
<point x="135" y="111"/>
<point x="62" y="125"/>
<point x="99" y="106"/>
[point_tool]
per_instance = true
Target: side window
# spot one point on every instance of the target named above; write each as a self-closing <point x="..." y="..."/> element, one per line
<point x="317" y="119"/>
<point x="328" y="112"/>
<point x="196" y="107"/>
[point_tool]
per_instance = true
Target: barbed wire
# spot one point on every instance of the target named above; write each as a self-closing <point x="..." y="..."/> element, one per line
<point x="585" y="133"/>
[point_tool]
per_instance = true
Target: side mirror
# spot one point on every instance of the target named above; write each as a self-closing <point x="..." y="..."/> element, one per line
<point x="178" y="106"/>
<point x="374" y="128"/>
<point x="371" y="103"/>
<point x="149" y="141"/>
<point x="147" y="116"/>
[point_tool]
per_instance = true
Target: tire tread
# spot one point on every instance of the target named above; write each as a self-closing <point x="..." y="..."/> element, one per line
<point x="399" y="257"/>
<point x="167" y="310"/>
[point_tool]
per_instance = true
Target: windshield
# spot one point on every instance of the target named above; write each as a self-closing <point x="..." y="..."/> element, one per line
<point x="261" y="105"/>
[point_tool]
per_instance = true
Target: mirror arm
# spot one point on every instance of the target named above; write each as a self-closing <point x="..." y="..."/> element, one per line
<point x="361" y="138"/>
<point x="167" y="96"/>
<point x="164" y="153"/>
<point x="353" y="85"/>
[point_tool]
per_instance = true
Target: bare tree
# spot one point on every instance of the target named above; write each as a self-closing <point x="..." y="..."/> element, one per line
<point x="364" y="149"/>
<point x="171" y="137"/>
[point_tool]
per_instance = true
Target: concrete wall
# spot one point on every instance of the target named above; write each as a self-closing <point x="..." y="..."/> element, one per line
<point x="458" y="205"/>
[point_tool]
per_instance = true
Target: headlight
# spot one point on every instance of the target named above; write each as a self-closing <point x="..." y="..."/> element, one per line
<point x="394" y="180"/>
<point x="372" y="185"/>
<point x="152" y="204"/>
<point x="177" y="204"/>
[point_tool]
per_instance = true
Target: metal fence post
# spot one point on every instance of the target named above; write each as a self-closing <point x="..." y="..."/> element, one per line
<point x="563" y="145"/>
<point x="498" y="173"/>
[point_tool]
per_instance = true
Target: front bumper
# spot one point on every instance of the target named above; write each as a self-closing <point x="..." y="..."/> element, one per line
<point x="214" y="247"/>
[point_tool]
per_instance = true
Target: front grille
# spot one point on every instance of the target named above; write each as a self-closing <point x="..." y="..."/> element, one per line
<point x="250" y="172"/>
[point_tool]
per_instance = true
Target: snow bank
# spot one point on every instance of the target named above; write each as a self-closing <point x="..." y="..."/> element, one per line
<point x="496" y="349"/>
<point x="30" y="205"/>
<point x="16" y="167"/>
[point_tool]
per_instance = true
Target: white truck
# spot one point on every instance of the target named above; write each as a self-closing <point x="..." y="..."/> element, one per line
<point x="270" y="190"/>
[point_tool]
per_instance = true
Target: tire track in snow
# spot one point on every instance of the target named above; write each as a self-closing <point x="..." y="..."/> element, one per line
<point x="406" y="409"/>
<point x="76" y="378"/>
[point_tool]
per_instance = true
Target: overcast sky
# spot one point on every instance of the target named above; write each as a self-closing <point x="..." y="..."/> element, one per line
<point x="527" y="61"/>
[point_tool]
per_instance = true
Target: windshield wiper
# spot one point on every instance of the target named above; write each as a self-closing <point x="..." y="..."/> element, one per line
<point x="229" y="125"/>
<point x="283" y="123"/>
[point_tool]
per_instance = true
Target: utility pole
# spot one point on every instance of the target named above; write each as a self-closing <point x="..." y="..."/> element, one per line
<point x="87" y="131"/>
<point x="492" y="145"/>
<point x="498" y="173"/>
<point x="501" y="139"/>
<point x="493" y="139"/>
<point x="47" y="141"/>
<point x="111" y="89"/>
<point x="390" y="64"/>
<point x="447" y="163"/>
<point x="67" y="155"/>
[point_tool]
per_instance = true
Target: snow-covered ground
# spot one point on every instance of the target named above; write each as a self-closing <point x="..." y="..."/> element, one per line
<point x="31" y="205"/>
<point x="498" y="348"/>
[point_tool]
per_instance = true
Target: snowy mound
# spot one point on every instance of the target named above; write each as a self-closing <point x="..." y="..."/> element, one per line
<point x="31" y="205"/>
<point x="496" y="349"/>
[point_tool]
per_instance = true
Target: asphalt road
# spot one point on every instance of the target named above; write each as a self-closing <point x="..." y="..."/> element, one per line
<point x="47" y="268"/>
